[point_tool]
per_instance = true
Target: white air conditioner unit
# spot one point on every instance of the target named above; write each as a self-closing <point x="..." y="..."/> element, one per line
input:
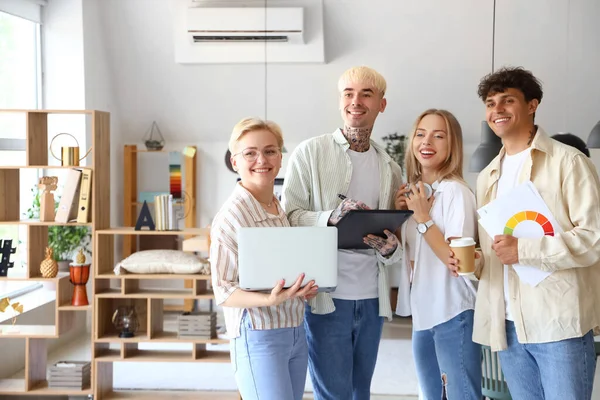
<point x="245" y="25"/>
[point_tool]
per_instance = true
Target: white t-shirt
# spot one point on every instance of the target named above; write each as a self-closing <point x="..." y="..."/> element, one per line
<point x="357" y="269"/>
<point x="509" y="179"/>
<point x="436" y="296"/>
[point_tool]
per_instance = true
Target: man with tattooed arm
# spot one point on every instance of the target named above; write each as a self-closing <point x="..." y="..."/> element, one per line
<point x="544" y="333"/>
<point x="344" y="328"/>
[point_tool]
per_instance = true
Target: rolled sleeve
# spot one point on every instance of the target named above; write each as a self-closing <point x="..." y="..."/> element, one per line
<point x="224" y="270"/>
<point x="395" y="257"/>
<point x="459" y="212"/>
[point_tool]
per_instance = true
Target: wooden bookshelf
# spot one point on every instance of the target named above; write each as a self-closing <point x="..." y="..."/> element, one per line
<point x="131" y="205"/>
<point x="112" y="291"/>
<point x="34" y="382"/>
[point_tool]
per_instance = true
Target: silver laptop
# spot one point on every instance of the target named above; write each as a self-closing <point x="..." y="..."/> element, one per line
<point x="266" y="255"/>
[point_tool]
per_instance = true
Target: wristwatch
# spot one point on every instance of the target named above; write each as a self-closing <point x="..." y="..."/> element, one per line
<point x="423" y="226"/>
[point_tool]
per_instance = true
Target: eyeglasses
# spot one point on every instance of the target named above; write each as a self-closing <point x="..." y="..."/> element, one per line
<point x="251" y="155"/>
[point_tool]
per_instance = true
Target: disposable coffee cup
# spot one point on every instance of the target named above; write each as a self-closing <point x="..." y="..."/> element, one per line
<point x="464" y="252"/>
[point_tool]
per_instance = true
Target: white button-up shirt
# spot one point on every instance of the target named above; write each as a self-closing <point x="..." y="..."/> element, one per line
<point x="436" y="296"/>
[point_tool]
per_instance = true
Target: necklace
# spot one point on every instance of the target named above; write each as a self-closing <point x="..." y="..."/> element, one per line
<point x="266" y="204"/>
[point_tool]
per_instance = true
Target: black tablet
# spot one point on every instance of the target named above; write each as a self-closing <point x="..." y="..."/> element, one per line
<point x="357" y="224"/>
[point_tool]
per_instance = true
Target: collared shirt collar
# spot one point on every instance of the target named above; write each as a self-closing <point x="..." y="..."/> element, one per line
<point x="254" y="207"/>
<point x="541" y="142"/>
<point x="340" y="139"/>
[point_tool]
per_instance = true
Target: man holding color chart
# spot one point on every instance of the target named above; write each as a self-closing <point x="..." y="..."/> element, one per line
<point x="545" y="332"/>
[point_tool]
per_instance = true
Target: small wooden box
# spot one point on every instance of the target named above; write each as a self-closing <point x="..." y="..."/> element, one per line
<point x="202" y="325"/>
<point x="69" y="374"/>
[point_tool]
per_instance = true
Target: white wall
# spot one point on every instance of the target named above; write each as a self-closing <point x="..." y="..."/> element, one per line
<point x="432" y="53"/>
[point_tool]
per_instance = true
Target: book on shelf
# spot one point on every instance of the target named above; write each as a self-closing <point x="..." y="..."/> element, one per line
<point x="164" y="213"/>
<point x="67" y="207"/>
<point x="85" y="195"/>
<point x="76" y="200"/>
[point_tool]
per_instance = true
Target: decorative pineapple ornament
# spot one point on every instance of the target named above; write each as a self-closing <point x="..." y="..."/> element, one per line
<point x="80" y="258"/>
<point x="49" y="267"/>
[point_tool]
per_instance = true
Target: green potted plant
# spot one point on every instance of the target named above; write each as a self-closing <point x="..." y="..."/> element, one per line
<point x="395" y="146"/>
<point x="64" y="240"/>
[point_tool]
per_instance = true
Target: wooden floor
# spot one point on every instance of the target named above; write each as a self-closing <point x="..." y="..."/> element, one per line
<point x="210" y="396"/>
<point x="175" y="395"/>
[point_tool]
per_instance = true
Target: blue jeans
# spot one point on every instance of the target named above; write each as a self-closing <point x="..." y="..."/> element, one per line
<point x="446" y="358"/>
<point x="270" y="364"/>
<point x="342" y="349"/>
<point x="549" y="371"/>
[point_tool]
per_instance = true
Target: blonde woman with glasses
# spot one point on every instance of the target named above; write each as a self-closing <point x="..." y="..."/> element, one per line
<point x="441" y="302"/>
<point x="268" y="344"/>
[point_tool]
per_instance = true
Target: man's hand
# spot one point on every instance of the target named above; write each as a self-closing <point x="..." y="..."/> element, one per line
<point x="278" y="295"/>
<point x="507" y="249"/>
<point x="345" y="206"/>
<point x="385" y="247"/>
<point x="400" y="197"/>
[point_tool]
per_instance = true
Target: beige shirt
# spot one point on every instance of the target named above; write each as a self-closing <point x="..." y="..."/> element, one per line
<point x="567" y="303"/>
<point x="243" y="210"/>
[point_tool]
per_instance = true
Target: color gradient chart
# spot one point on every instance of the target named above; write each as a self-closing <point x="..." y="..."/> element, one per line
<point x="532" y="216"/>
<point x="175" y="186"/>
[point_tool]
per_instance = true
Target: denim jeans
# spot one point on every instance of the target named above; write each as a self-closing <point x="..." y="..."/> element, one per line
<point x="549" y="371"/>
<point x="270" y="364"/>
<point x="446" y="358"/>
<point x="342" y="349"/>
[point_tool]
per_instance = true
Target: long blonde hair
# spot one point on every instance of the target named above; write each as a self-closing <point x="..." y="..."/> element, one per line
<point x="452" y="168"/>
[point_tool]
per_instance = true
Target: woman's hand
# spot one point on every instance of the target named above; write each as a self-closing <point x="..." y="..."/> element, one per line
<point x="452" y="263"/>
<point x="279" y="294"/>
<point x="418" y="202"/>
<point x="400" y="197"/>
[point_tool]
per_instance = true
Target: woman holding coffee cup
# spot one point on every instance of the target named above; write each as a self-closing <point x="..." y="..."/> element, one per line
<point x="441" y="304"/>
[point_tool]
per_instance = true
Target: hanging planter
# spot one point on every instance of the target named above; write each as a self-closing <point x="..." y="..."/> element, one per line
<point x="153" y="139"/>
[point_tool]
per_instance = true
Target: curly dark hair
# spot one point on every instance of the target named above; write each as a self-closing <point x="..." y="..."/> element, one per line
<point x="511" y="77"/>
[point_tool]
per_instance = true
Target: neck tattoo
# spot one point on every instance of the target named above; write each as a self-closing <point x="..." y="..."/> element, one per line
<point x="358" y="138"/>
<point x="531" y="136"/>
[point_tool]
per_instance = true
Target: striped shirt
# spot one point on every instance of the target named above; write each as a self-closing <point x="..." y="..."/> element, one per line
<point x="318" y="170"/>
<point x="239" y="211"/>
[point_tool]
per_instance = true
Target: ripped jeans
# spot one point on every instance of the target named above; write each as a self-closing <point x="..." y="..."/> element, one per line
<point x="447" y="361"/>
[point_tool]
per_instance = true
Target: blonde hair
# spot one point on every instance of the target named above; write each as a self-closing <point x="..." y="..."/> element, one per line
<point x="254" y="124"/>
<point x="452" y="168"/>
<point x="365" y="75"/>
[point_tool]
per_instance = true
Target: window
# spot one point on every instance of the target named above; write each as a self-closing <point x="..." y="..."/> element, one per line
<point x="20" y="88"/>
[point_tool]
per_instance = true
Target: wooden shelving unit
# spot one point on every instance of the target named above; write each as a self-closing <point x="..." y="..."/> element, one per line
<point x="131" y="204"/>
<point x="36" y="337"/>
<point x="113" y="290"/>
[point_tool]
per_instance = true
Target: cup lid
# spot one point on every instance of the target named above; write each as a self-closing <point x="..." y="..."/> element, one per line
<point x="462" y="242"/>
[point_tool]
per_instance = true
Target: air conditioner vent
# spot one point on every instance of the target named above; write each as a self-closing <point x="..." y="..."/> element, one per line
<point x="237" y="39"/>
